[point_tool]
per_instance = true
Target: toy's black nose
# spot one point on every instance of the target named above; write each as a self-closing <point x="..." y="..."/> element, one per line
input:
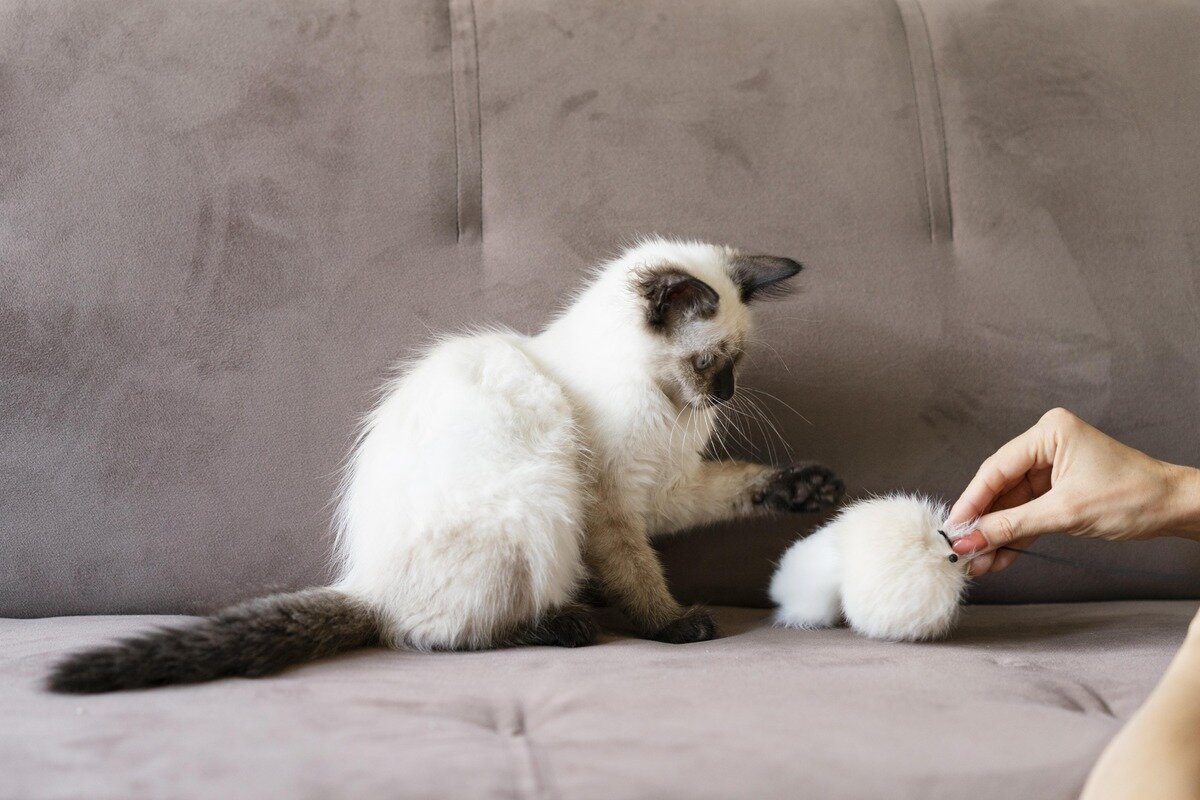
<point x="723" y="384"/>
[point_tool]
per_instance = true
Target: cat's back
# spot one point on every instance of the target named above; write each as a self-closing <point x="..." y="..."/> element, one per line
<point x="485" y="380"/>
<point x="474" y="409"/>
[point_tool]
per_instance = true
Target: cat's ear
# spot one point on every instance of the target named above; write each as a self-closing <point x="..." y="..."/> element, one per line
<point x="762" y="277"/>
<point x="673" y="296"/>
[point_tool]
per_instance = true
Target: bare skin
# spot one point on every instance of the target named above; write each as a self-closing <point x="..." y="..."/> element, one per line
<point x="1158" y="753"/>
<point x="1064" y="476"/>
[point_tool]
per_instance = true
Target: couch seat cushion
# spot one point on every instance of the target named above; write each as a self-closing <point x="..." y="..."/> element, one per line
<point x="1017" y="704"/>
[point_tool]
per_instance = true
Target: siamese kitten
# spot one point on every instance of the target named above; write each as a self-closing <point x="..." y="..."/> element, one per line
<point x="501" y="470"/>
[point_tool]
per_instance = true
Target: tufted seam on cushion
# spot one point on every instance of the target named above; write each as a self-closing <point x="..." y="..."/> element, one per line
<point x="527" y="778"/>
<point x="464" y="52"/>
<point x="930" y="126"/>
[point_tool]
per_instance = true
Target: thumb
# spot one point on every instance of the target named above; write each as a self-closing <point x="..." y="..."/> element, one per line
<point x="1000" y="528"/>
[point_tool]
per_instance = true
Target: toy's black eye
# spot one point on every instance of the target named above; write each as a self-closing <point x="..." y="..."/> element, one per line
<point x="703" y="361"/>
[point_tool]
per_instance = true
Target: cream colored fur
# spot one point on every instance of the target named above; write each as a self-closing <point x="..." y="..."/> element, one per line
<point x="881" y="564"/>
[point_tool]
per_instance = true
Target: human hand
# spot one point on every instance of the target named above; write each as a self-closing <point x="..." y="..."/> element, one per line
<point x="1064" y="476"/>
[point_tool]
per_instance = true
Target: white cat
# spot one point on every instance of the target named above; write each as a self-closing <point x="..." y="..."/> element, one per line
<point x="502" y="469"/>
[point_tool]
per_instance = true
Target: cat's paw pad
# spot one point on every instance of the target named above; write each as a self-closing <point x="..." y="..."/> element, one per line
<point x="802" y="488"/>
<point x="694" y="625"/>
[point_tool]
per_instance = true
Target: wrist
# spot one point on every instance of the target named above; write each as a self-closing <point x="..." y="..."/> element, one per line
<point x="1182" y="507"/>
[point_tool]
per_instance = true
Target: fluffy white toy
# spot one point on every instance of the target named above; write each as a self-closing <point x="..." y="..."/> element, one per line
<point x="884" y="564"/>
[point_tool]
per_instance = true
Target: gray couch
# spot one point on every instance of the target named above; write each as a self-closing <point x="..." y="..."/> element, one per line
<point x="221" y="221"/>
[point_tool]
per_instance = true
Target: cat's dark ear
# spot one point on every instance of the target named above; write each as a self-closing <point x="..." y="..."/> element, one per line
<point x="762" y="277"/>
<point x="673" y="296"/>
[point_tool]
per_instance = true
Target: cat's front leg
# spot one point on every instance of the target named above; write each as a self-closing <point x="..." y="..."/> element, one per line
<point x="630" y="576"/>
<point x="800" y="488"/>
<point x="723" y="490"/>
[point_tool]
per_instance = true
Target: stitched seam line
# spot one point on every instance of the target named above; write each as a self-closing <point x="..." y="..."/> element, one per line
<point x="930" y="124"/>
<point x="529" y="782"/>
<point x="479" y="118"/>
<point x="938" y="123"/>
<point x="454" y="92"/>
<point x="468" y="146"/>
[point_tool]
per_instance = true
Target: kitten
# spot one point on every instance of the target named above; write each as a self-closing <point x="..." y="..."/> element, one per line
<point x="501" y="470"/>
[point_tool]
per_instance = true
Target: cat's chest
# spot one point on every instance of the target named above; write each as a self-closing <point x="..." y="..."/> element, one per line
<point x="662" y="456"/>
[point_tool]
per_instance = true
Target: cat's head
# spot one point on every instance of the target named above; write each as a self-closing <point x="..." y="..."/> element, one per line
<point x="695" y="299"/>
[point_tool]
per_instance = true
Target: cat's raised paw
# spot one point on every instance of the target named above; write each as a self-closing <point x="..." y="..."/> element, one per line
<point x="802" y="488"/>
<point x="695" y="625"/>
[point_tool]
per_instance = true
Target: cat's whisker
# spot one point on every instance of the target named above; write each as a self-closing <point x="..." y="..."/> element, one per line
<point x="741" y="440"/>
<point x="762" y="415"/>
<point x="751" y="413"/>
<point x="777" y="426"/>
<point x="674" y="426"/>
<point x="763" y="343"/>
<point x="776" y="320"/>
<point x="720" y="437"/>
<point x="755" y="447"/>
<point x="733" y="424"/>
<point x="693" y="423"/>
<point x="778" y="400"/>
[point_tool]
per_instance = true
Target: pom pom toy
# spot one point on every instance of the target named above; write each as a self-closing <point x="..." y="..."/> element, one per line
<point x="884" y="564"/>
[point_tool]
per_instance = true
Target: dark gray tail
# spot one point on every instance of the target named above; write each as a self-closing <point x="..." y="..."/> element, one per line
<point x="255" y="638"/>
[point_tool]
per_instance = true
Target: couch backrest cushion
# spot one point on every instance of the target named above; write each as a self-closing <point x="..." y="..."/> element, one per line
<point x="219" y="223"/>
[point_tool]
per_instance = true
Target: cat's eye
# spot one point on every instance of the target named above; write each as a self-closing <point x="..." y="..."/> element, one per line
<point x="703" y="361"/>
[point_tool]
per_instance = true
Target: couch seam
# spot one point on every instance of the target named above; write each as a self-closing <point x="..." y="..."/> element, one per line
<point x="465" y="100"/>
<point x="528" y="780"/>
<point x="532" y="787"/>
<point x="931" y="131"/>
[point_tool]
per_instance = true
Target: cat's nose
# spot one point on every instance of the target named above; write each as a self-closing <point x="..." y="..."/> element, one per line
<point x="723" y="384"/>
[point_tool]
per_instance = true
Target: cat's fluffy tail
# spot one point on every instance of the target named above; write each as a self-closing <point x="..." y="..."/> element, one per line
<point x="255" y="638"/>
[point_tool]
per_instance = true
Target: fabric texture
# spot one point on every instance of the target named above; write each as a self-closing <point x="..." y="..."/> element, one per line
<point x="221" y="222"/>
<point x="1018" y="703"/>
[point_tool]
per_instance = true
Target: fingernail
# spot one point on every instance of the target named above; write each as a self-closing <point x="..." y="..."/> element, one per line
<point x="970" y="543"/>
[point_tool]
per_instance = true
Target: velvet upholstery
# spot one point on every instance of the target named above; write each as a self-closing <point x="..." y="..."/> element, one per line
<point x="1017" y="704"/>
<point x="221" y="221"/>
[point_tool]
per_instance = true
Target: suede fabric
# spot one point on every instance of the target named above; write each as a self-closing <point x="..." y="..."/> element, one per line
<point x="1018" y="703"/>
<point x="220" y="222"/>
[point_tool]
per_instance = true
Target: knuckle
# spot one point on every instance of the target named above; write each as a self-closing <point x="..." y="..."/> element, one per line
<point x="991" y="475"/>
<point x="1005" y="530"/>
<point x="1058" y="417"/>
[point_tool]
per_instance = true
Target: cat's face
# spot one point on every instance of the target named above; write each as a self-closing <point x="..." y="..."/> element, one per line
<point x="696" y="300"/>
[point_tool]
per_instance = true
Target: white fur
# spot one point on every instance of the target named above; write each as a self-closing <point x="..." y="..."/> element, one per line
<point x="463" y="508"/>
<point x="806" y="587"/>
<point x="883" y="563"/>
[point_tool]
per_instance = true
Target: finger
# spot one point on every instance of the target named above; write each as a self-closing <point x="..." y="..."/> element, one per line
<point x="1000" y="473"/>
<point x="1025" y="521"/>
<point x="980" y="565"/>
<point x="1020" y="494"/>
<point x="1004" y="558"/>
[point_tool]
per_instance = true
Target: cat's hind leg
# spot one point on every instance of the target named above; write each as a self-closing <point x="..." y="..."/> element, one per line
<point x="572" y="625"/>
